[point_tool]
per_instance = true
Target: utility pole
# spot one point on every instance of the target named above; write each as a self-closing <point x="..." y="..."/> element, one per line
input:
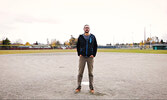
<point x="144" y="34"/>
<point x="47" y="41"/>
<point x="150" y="36"/>
<point x="144" y="37"/>
<point x="113" y="40"/>
<point x="132" y="38"/>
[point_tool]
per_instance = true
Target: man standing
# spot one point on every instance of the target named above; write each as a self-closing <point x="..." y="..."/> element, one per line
<point x="86" y="48"/>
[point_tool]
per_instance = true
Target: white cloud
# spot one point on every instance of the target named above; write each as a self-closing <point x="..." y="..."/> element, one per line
<point x="37" y="20"/>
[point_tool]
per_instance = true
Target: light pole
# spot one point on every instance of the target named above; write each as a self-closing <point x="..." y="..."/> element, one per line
<point x="150" y="36"/>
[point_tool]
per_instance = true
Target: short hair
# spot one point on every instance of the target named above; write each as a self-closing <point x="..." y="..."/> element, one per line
<point x="86" y="25"/>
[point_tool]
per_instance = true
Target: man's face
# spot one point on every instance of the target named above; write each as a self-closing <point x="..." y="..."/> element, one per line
<point x="86" y="29"/>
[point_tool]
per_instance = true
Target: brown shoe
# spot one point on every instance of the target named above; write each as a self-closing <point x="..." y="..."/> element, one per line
<point x="78" y="89"/>
<point x="92" y="91"/>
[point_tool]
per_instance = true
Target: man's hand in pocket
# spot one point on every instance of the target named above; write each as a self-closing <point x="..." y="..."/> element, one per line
<point x="92" y="56"/>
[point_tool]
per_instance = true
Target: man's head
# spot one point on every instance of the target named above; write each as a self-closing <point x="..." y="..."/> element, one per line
<point x="86" y="28"/>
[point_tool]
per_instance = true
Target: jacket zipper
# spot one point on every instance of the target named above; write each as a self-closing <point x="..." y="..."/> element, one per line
<point x="87" y="45"/>
<point x="86" y="48"/>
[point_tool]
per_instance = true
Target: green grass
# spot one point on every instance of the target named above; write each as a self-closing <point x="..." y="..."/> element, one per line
<point x="34" y="51"/>
<point x="134" y="51"/>
<point x="74" y="50"/>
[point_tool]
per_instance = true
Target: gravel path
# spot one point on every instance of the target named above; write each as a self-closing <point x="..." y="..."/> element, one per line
<point x="54" y="76"/>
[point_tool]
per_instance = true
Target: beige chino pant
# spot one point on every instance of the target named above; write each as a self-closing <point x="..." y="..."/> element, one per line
<point x="82" y="61"/>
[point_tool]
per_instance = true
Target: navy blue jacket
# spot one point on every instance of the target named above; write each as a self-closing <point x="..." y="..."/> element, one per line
<point x="87" y="48"/>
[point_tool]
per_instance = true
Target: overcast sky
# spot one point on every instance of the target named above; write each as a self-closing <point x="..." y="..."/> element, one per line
<point x="111" y="21"/>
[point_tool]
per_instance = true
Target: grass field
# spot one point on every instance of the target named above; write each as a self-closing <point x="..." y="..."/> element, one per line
<point x="134" y="51"/>
<point x="74" y="50"/>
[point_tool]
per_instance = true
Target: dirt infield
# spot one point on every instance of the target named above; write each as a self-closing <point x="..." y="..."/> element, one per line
<point x="54" y="76"/>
